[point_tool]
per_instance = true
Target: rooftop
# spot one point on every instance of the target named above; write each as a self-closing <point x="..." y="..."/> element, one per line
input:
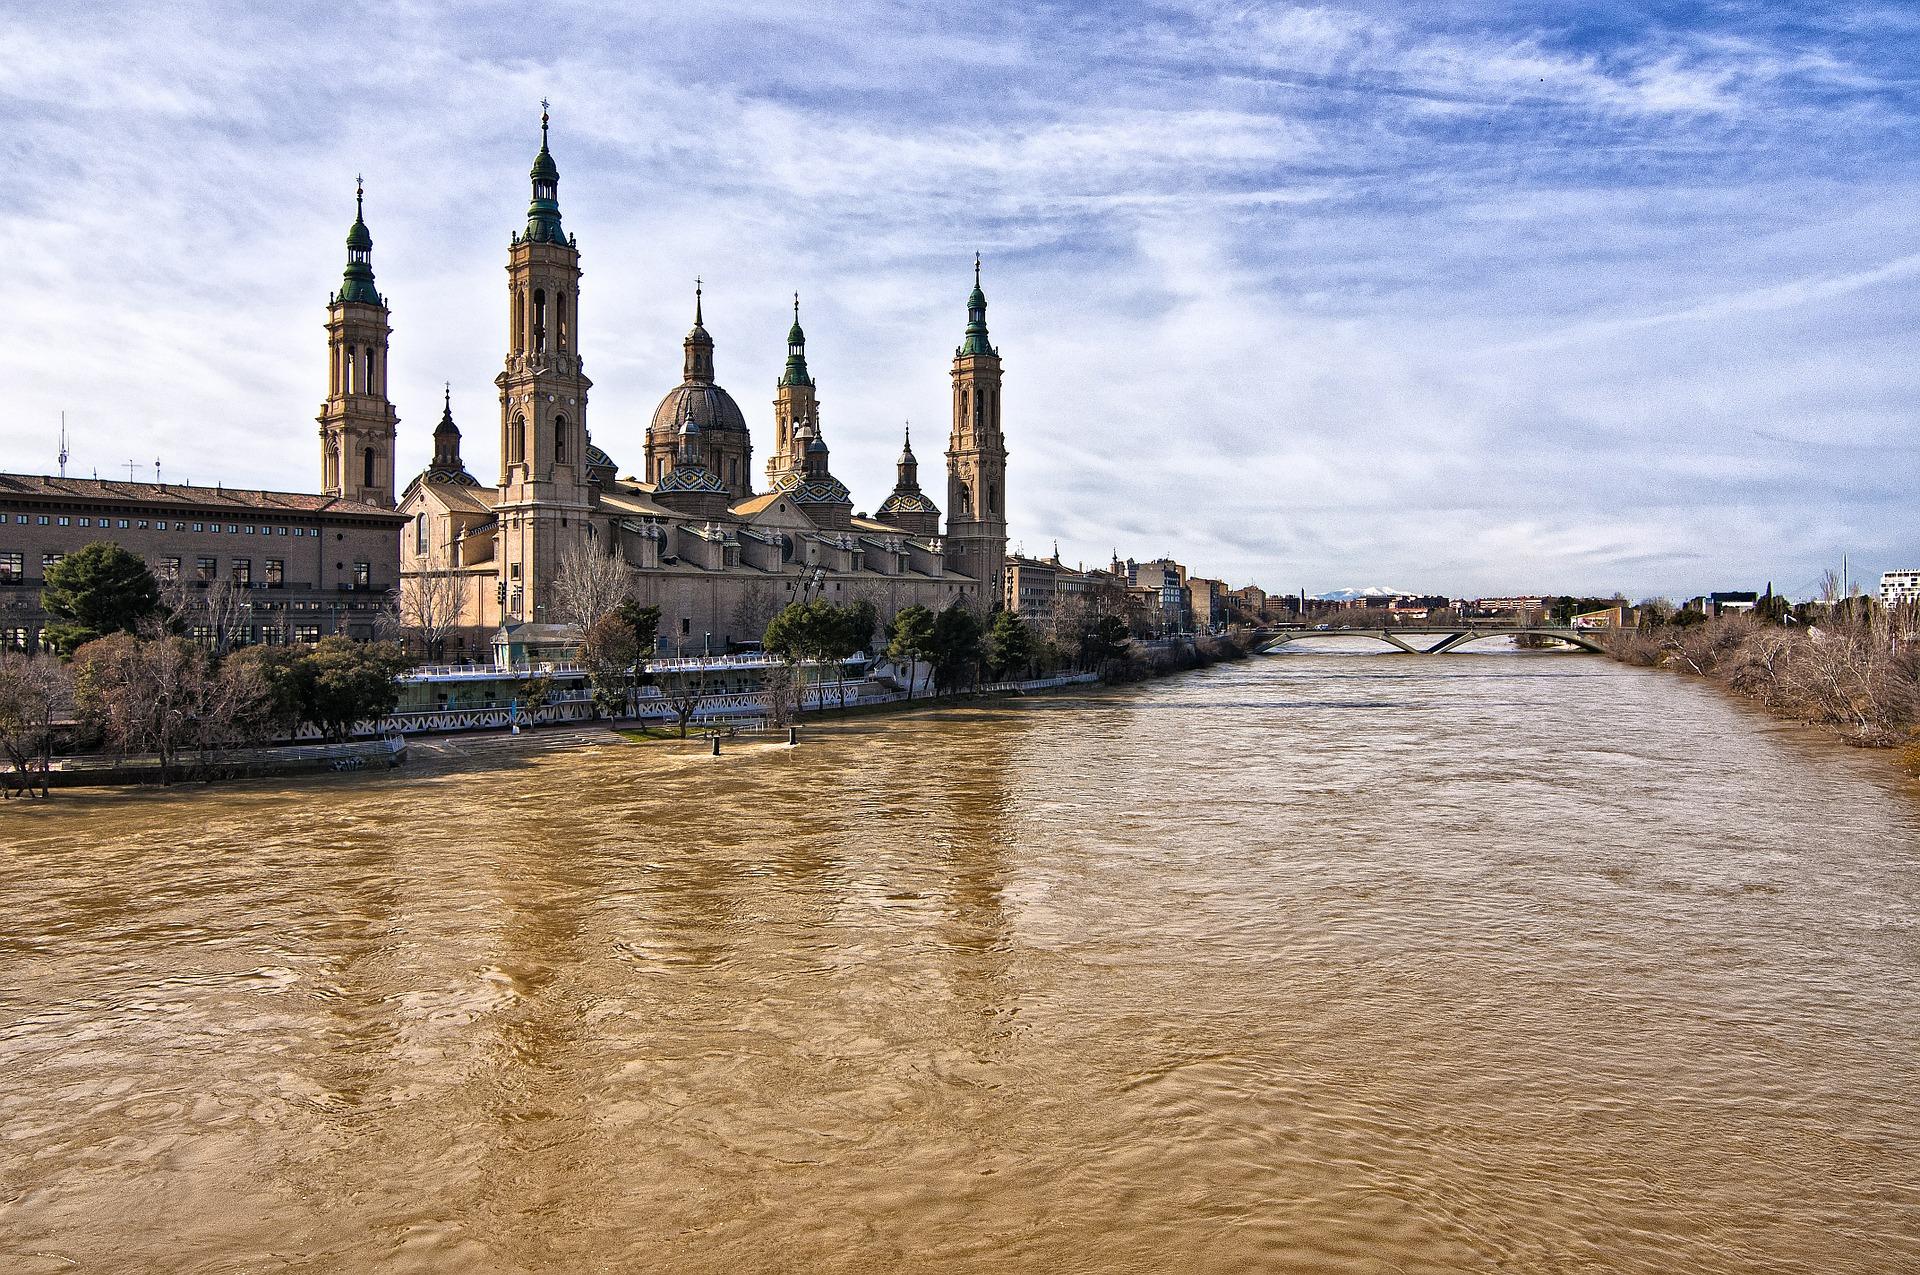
<point x="235" y="498"/>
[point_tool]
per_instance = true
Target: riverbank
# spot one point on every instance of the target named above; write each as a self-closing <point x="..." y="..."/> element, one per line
<point x="1854" y="677"/>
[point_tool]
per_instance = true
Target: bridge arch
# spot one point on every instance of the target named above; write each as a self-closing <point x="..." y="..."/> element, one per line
<point x="1441" y="638"/>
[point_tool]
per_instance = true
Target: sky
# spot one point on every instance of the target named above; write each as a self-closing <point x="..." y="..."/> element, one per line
<point x="1469" y="298"/>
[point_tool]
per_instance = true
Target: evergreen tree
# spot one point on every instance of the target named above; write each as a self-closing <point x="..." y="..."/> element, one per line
<point x="97" y="590"/>
<point x="957" y="647"/>
<point x="910" y="638"/>
<point x="1010" y="645"/>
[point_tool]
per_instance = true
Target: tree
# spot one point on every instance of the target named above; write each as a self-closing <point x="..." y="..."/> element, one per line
<point x="285" y="678"/>
<point x="684" y="695"/>
<point x="589" y="584"/>
<point x="910" y="640"/>
<point x="644" y="621"/>
<point x="96" y="590"/>
<point x="144" y="694"/>
<point x="351" y="682"/>
<point x="956" y="647"/>
<point x="431" y="604"/>
<point x="34" y="691"/>
<point x="610" y="651"/>
<point x="1010" y="644"/>
<point x="1105" y="641"/>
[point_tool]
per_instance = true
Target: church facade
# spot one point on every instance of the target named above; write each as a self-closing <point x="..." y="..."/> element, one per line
<point x="717" y="552"/>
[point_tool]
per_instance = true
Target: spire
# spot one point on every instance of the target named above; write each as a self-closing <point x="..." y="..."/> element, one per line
<point x="909" y="467"/>
<point x="446" y="437"/>
<point x="976" y="342"/>
<point x="796" y="373"/>
<point x="543" y="214"/>
<point x="357" y="284"/>
<point x="698" y="362"/>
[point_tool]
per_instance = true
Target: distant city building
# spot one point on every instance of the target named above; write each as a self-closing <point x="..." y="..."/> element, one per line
<point x="1899" y="587"/>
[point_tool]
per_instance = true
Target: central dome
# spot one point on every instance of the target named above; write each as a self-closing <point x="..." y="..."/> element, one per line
<point x="711" y="407"/>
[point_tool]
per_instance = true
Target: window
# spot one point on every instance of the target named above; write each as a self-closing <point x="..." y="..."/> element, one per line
<point x="366" y="468"/>
<point x="243" y="571"/>
<point x="560" y="317"/>
<point x="214" y="527"/>
<point x="143" y="524"/>
<point x="169" y="568"/>
<point x="276" y="572"/>
<point x="160" y="526"/>
<point x="122" y="524"/>
<point x="202" y="634"/>
<point x="16" y="638"/>
<point x="248" y="529"/>
<point x="204" y="569"/>
<point x="420" y="534"/>
<point x="539" y="321"/>
<point x="64" y="521"/>
<point x="42" y="520"/>
<point x="199" y="526"/>
<point x="517" y="441"/>
<point x="13" y="567"/>
<point x="48" y="561"/>
<point x="686" y="625"/>
<point x="85" y="523"/>
<point x="20" y="519"/>
<point x="559" y="440"/>
<point x="308" y="633"/>
<point x="363" y="575"/>
<point x="232" y="530"/>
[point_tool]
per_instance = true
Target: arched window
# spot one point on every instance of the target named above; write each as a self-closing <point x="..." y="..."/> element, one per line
<point x="517" y="441"/>
<point x="370" y="382"/>
<point x="560" y="318"/>
<point x="539" y="320"/>
<point x="993" y="498"/>
<point x="366" y="468"/>
<point x="965" y="502"/>
<point x="420" y="534"/>
<point x="559" y="440"/>
<point x="353" y="365"/>
<point x="519" y="321"/>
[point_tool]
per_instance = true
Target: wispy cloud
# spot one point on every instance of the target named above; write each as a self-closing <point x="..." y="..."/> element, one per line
<point x="1471" y="297"/>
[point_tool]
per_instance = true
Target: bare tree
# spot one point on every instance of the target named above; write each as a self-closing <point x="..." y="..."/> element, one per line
<point x="589" y="585"/>
<point x="686" y="696"/>
<point x="35" y="691"/>
<point x="217" y="613"/>
<point x="753" y="606"/>
<point x="431" y="604"/>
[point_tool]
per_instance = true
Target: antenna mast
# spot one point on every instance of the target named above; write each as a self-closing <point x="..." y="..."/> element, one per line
<point x="63" y="444"/>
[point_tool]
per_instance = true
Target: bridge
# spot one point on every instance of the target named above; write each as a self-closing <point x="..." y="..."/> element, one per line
<point x="1451" y="637"/>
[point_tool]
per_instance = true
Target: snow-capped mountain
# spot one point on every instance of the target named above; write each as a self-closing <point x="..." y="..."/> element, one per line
<point x="1360" y="595"/>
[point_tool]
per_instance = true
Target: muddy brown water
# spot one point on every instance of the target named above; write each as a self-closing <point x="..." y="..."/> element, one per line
<point x="1499" y="962"/>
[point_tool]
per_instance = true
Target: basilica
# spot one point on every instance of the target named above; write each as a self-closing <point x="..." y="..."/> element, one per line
<point x="716" y="555"/>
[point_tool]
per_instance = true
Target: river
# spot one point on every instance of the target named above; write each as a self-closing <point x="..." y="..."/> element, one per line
<point x="1317" y="963"/>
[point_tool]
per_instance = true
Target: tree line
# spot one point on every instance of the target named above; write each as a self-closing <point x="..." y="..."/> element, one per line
<point x="120" y="674"/>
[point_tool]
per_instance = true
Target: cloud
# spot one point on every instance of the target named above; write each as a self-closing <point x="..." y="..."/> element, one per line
<point x="1461" y="297"/>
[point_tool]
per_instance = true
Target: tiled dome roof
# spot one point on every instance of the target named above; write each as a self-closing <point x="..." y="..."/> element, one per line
<point x="908" y="502"/>
<point x="689" y="478"/>
<point x="813" y="491"/>
<point x="711" y="406"/>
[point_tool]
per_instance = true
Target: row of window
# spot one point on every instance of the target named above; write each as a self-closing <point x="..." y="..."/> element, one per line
<point x="157" y="524"/>
<point x="18" y="637"/>
<point x="205" y="569"/>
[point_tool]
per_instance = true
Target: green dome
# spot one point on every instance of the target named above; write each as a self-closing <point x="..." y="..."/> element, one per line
<point x="357" y="282"/>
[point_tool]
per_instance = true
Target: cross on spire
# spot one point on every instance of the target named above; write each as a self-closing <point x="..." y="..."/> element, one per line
<point x="543" y="121"/>
<point x="359" y="196"/>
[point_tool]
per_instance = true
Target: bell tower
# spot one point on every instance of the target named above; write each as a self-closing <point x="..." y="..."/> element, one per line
<point x="544" y="497"/>
<point x="357" y="423"/>
<point x="794" y="405"/>
<point x="977" y="458"/>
